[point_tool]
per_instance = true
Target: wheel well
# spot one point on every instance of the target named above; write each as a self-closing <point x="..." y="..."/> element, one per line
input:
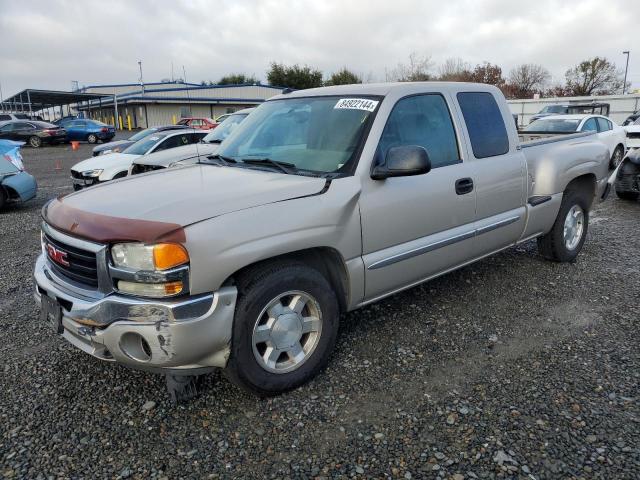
<point x="10" y="193"/>
<point x="326" y="260"/>
<point x="584" y="183"/>
<point x="120" y="175"/>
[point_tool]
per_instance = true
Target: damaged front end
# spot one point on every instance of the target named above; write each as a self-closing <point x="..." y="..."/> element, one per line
<point x="91" y="301"/>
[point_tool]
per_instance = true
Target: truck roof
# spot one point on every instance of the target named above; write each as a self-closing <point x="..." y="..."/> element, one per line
<point x="383" y="89"/>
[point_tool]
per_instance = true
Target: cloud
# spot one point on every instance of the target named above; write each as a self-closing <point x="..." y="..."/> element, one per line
<point x="49" y="43"/>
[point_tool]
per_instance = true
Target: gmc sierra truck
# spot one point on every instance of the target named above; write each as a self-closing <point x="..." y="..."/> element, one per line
<point x="320" y="202"/>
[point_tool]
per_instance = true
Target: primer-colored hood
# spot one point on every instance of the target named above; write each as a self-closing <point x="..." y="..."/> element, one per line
<point x="187" y="195"/>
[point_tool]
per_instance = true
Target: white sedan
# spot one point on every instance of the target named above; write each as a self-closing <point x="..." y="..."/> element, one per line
<point x="116" y="165"/>
<point x="608" y="132"/>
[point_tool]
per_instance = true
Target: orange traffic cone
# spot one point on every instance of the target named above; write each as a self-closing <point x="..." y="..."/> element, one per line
<point x="75" y="145"/>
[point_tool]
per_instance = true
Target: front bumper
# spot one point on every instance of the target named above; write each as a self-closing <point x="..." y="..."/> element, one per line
<point x="186" y="334"/>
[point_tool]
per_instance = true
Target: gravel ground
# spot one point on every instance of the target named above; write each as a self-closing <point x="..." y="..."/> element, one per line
<point x="513" y="367"/>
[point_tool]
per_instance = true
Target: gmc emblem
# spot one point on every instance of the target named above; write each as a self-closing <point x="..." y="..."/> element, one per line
<point x="56" y="255"/>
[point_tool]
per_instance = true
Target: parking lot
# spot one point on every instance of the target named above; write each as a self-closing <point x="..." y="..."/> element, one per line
<point x="513" y="367"/>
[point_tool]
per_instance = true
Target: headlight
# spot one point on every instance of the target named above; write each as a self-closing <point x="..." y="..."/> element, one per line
<point x="148" y="269"/>
<point x="92" y="173"/>
<point x="138" y="256"/>
<point x="104" y="152"/>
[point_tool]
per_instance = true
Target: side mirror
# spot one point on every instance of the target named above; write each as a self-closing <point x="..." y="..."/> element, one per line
<point x="403" y="161"/>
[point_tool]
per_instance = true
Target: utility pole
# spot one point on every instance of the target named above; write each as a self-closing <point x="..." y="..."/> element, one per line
<point x="141" y="80"/>
<point x="626" y="69"/>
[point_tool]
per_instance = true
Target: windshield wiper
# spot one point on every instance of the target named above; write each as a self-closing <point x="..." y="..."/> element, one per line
<point x="284" y="167"/>
<point x="222" y="160"/>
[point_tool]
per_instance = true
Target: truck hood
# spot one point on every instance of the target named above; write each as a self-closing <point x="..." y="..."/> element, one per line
<point x="111" y="160"/>
<point x="632" y="128"/>
<point x="167" y="157"/>
<point x="173" y="197"/>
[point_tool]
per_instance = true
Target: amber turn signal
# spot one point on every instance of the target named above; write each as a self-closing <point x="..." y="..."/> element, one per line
<point x="169" y="255"/>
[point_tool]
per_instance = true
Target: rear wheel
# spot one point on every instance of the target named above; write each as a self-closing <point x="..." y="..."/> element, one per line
<point x="35" y="141"/>
<point x="616" y="158"/>
<point x="3" y="198"/>
<point x="566" y="238"/>
<point x="92" y="138"/>
<point x="285" y="328"/>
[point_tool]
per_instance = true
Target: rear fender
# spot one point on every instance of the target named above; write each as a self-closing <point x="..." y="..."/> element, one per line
<point x="23" y="184"/>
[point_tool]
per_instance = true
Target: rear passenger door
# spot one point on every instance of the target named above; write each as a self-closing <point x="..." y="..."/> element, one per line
<point x="499" y="172"/>
<point x="605" y="134"/>
<point x="416" y="227"/>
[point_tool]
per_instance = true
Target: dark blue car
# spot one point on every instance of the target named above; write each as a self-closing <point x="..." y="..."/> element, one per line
<point x="88" y="130"/>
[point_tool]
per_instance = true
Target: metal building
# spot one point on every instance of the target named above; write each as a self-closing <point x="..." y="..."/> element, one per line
<point x="621" y="106"/>
<point x="165" y="103"/>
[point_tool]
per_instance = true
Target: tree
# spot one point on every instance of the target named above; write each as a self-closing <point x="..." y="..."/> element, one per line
<point x="596" y="76"/>
<point x="237" y="79"/>
<point x="294" y="76"/>
<point x="416" y="71"/>
<point x="489" y="74"/>
<point x="343" y="77"/>
<point x="454" y="70"/>
<point x="527" y="79"/>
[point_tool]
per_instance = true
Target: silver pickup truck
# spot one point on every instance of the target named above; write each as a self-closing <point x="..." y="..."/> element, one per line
<point x="320" y="202"/>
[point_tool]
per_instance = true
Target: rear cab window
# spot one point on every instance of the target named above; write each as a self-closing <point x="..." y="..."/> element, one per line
<point x="485" y="124"/>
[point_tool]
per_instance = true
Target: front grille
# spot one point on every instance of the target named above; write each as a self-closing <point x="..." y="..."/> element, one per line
<point x="138" y="168"/>
<point x="82" y="264"/>
<point x="628" y="183"/>
<point x="633" y="134"/>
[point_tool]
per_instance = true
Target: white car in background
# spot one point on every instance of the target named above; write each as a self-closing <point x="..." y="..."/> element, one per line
<point x="190" y="154"/>
<point x="632" y="131"/>
<point x="608" y="132"/>
<point x="116" y="165"/>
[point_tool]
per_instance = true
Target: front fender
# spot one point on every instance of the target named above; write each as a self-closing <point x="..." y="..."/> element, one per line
<point x="222" y="245"/>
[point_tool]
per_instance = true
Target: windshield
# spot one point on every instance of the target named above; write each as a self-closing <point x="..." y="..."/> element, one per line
<point x="142" y="134"/>
<point x="223" y="130"/>
<point x="143" y="146"/>
<point x="319" y="134"/>
<point x="554" y="109"/>
<point x="553" y="126"/>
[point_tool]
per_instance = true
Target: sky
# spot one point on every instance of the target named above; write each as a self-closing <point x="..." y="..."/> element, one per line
<point x="50" y="43"/>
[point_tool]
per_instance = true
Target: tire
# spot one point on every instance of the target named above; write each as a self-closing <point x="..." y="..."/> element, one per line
<point x="3" y="198"/>
<point x="92" y="138"/>
<point x="627" y="195"/>
<point x="616" y="158"/>
<point x="554" y="245"/>
<point x="285" y="284"/>
<point x="35" y="141"/>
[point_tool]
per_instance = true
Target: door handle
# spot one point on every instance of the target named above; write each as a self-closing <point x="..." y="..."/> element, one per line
<point x="464" y="186"/>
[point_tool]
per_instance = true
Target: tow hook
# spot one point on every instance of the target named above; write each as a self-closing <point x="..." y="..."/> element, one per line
<point x="182" y="388"/>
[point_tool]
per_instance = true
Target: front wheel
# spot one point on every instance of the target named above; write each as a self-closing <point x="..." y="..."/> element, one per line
<point x="566" y="238"/>
<point x="616" y="158"/>
<point x="285" y="328"/>
<point x="35" y="141"/>
<point x="92" y="138"/>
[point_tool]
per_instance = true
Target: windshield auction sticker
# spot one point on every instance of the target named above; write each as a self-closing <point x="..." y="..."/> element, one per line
<point x="356" y="104"/>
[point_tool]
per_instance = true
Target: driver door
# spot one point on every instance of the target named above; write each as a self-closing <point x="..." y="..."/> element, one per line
<point x="416" y="227"/>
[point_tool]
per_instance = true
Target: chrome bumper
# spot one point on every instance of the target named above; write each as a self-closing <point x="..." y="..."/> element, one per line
<point x="180" y="334"/>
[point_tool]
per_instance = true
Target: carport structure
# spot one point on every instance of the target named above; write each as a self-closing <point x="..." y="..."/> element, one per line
<point x="33" y="101"/>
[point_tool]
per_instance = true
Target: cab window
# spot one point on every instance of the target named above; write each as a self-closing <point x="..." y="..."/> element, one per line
<point x="422" y="120"/>
<point x="485" y="124"/>
<point x="590" y="126"/>
<point x="603" y="124"/>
